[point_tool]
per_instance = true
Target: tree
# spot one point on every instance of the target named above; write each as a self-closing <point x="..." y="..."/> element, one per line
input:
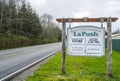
<point x="30" y="24"/>
<point x="116" y="31"/>
<point x="18" y="22"/>
<point x="50" y="29"/>
<point x="12" y="16"/>
<point x="1" y="9"/>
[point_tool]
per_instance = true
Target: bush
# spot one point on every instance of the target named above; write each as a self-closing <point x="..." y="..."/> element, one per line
<point x="14" y="41"/>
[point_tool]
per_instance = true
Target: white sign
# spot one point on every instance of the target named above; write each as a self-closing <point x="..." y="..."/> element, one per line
<point x="86" y="41"/>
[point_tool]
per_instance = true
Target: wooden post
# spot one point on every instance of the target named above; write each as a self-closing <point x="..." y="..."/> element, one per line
<point x="63" y="45"/>
<point x="109" y="48"/>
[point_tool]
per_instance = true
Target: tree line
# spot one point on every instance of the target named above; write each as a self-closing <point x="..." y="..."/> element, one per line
<point x="20" y="25"/>
<point x="116" y="31"/>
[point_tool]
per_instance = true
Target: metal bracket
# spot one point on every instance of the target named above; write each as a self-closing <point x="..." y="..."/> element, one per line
<point x="102" y="20"/>
<point x="85" y="19"/>
<point x="70" y="21"/>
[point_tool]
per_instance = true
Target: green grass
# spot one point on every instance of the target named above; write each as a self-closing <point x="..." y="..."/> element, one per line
<point x="78" y="69"/>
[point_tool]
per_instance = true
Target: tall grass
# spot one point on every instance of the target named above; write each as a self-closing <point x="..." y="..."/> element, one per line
<point x="78" y="69"/>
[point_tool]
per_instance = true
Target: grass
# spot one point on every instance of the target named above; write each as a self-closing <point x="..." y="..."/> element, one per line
<point x="78" y="69"/>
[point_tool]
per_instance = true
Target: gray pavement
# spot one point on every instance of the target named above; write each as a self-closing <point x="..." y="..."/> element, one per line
<point x="14" y="59"/>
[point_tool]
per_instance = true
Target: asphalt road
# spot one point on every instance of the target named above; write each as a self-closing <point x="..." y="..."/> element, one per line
<point x="13" y="59"/>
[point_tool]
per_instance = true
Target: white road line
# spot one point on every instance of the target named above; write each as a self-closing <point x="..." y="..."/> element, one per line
<point x="24" y="68"/>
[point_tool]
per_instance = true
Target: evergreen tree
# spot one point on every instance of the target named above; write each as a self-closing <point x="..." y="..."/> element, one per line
<point x="19" y="23"/>
<point x="12" y="16"/>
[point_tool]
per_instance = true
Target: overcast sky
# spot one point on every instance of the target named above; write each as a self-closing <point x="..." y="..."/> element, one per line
<point x="79" y="9"/>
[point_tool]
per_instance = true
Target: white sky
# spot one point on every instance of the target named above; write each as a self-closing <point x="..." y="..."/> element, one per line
<point x="79" y="8"/>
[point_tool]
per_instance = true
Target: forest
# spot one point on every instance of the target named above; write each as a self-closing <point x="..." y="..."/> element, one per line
<point x="20" y="25"/>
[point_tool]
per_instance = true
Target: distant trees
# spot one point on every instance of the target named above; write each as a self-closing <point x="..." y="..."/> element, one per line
<point x="50" y="29"/>
<point x="116" y="31"/>
<point x="20" y="23"/>
<point x="18" y="17"/>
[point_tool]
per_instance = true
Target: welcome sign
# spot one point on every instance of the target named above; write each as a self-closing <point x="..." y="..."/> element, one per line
<point x="86" y="41"/>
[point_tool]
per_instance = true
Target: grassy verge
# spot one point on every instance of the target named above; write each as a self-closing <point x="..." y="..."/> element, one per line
<point x="78" y="69"/>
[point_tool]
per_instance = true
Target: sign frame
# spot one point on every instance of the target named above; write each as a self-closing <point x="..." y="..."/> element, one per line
<point x="86" y="28"/>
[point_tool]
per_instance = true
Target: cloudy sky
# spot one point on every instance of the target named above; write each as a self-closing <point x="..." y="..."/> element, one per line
<point x="79" y="9"/>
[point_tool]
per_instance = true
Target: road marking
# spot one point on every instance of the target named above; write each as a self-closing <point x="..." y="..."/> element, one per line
<point x="29" y="50"/>
<point x="28" y="66"/>
<point x="26" y="51"/>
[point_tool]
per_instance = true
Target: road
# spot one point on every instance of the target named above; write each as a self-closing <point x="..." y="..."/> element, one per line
<point x="13" y="59"/>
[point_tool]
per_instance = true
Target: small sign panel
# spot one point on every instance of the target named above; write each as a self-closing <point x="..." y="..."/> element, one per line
<point x="86" y="41"/>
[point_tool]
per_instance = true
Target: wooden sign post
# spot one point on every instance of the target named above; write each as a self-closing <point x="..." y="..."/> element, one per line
<point x="109" y="47"/>
<point x="63" y="45"/>
<point x="86" y="19"/>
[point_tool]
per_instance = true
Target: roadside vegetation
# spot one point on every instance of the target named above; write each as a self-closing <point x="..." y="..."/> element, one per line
<point x="21" y="26"/>
<point x="78" y="69"/>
